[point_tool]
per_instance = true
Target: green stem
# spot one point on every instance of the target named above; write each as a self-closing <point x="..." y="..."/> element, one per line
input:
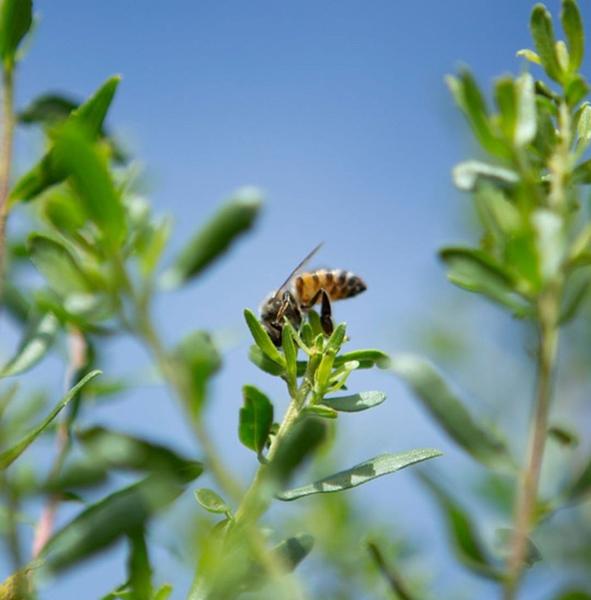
<point x="8" y="121"/>
<point x="391" y="575"/>
<point x="548" y="308"/>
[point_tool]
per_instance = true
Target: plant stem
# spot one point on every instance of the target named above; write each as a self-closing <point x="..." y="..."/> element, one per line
<point x="548" y="309"/>
<point x="44" y="528"/>
<point x="392" y="576"/>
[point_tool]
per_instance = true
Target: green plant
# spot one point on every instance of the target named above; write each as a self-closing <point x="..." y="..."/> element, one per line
<point x="98" y="247"/>
<point x="532" y="261"/>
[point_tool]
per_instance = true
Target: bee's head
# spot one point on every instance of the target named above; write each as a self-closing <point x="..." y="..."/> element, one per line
<point x="270" y="307"/>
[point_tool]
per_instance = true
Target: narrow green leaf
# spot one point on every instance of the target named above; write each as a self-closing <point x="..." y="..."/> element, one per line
<point x="123" y="451"/>
<point x="583" y="122"/>
<point x="580" y="487"/>
<point x="337" y="337"/>
<point x="75" y="475"/>
<point x="545" y="43"/>
<point x="576" y="90"/>
<point x="366" y="358"/>
<point x="319" y="410"/>
<point x="292" y="551"/>
<point x="77" y="156"/>
<point x="361" y="473"/>
<point x="256" y="419"/>
<point x="211" y="501"/>
<point x="469" y="174"/>
<point x="198" y="360"/>
<point x="16" y="17"/>
<point x="231" y="220"/>
<point x="467" y="545"/>
<point x="526" y="122"/>
<point x="263" y="362"/>
<point x="262" y="339"/>
<point x="529" y="55"/>
<point x="48" y="171"/>
<point x="355" y="402"/>
<point x="47" y="110"/>
<point x="138" y="566"/>
<point x="550" y="241"/>
<point x="575" y="33"/>
<point x="9" y="456"/>
<point x="563" y="435"/>
<point x="34" y="346"/>
<point x="477" y="272"/>
<point x="290" y="352"/>
<point x="163" y="592"/>
<point x="103" y="523"/>
<point x="55" y="262"/>
<point x="436" y="396"/>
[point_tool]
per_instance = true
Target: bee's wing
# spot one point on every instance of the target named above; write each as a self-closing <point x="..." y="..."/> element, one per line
<point x="300" y="266"/>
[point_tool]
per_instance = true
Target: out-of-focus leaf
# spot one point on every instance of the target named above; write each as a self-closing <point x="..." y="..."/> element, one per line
<point x="580" y="486"/>
<point x="48" y="109"/>
<point x="545" y="43"/>
<point x="392" y="576"/>
<point x="468" y="547"/>
<point x="211" y="501"/>
<point x="470" y="99"/>
<point x="576" y="90"/>
<point x="469" y="174"/>
<point x="199" y="360"/>
<point x="477" y="272"/>
<point x="572" y="593"/>
<point x="262" y="339"/>
<point x="14" y="586"/>
<point x="55" y="262"/>
<point x="152" y="247"/>
<point x="75" y="475"/>
<point x="118" y="514"/>
<point x="503" y="541"/>
<point x="361" y="473"/>
<point x="16" y="17"/>
<point x="138" y="566"/>
<point x="517" y="105"/>
<point x="564" y="436"/>
<point x="355" y="402"/>
<point x="16" y="303"/>
<point x="9" y="456"/>
<point x="163" y="592"/>
<point x="33" y="347"/>
<point x="575" y="34"/>
<point x="231" y="220"/>
<point x="529" y="55"/>
<point x="79" y="158"/>
<point x="319" y="410"/>
<point x="550" y="241"/>
<point x="292" y="551"/>
<point x="122" y="451"/>
<point x="295" y="448"/>
<point x="47" y="172"/>
<point x="525" y="127"/>
<point x="582" y="173"/>
<point x="436" y="396"/>
<point x="256" y="419"/>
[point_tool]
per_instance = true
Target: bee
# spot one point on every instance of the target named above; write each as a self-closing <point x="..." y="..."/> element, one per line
<point x="301" y="291"/>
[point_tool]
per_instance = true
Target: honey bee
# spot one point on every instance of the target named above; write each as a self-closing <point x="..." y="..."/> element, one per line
<point x="301" y="291"/>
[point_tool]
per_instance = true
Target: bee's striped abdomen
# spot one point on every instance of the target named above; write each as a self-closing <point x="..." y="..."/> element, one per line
<point x="338" y="284"/>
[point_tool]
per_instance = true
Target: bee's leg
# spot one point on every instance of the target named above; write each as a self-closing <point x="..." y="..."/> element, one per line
<point x="326" y="313"/>
<point x="325" y="309"/>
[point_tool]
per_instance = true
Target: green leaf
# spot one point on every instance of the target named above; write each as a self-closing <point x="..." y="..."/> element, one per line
<point x="103" y="523"/>
<point x="583" y="122"/>
<point x="563" y="435"/>
<point x="256" y="419"/>
<point x="262" y="339"/>
<point x="579" y="488"/>
<point x="572" y="593"/>
<point x="529" y="55"/>
<point x="138" y="566"/>
<point x="163" y="592"/>
<point x="355" y="402"/>
<point x="198" y="360"/>
<point x="231" y="220"/>
<point x="477" y="272"/>
<point x="299" y="444"/>
<point x="79" y="473"/>
<point x="545" y="43"/>
<point x="575" y="33"/>
<point x="366" y="358"/>
<point x="504" y="538"/>
<point x="47" y="172"/>
<point x="436" y="396"/>
<point x="292" y="551"/>
<point x="263" y="362"/>
<point x="582" y="173"/>
<point x="55" y="262"/>
<point x="34" y="346"/>
<point x="550" y="241"/>
<point x="467" y="544"/>
<point x="78" y="157"/>
<point x="47" y="110"/>
<point x="576" y="90"/>
<point x="319" y="410"/>
<point x="211" y="501"/>
<point x="470" y="99"/>
<point x="469" y="174"/>
<point x="361" y="473"/>
<point x="9" y="456"/>
<point x="122" y="451"/>
<point x="16" y="17"/>
<point x="517" y="104"/>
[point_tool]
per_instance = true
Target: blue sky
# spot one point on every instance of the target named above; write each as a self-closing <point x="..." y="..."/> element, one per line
<point x="339" y="112"/>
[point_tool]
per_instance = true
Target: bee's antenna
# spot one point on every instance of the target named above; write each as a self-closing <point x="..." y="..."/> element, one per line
<point x="302" y="263"/>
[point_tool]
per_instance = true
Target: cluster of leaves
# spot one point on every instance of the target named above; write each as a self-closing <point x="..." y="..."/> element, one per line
<point x="532" y="259"/>
<point x="98" y="249"/>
